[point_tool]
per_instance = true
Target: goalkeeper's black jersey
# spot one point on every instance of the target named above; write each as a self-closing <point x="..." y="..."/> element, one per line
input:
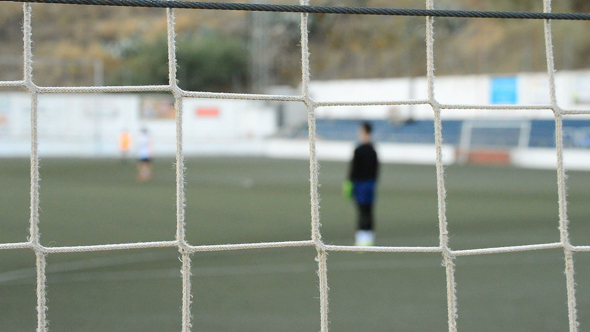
<point x="364" y="165"/>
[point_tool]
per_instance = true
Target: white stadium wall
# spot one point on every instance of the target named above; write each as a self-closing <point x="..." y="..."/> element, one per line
<point x="572" y="92"/>
<point x="421" y="154"/>
<point x="89" y="125"/>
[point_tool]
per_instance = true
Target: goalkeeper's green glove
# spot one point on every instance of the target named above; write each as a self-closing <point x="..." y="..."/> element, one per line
<point x="347" y="189"/>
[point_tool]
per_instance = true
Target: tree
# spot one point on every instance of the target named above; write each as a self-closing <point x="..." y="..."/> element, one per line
<point x="212" y="63"/>
<point x="581" y="6"/>
<point x="205" y="63"/>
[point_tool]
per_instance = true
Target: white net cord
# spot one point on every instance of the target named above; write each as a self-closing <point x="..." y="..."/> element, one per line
<point x="186" y="250"/>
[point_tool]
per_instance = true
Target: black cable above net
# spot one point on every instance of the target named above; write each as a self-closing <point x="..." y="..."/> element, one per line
<point x="318" y="9"/>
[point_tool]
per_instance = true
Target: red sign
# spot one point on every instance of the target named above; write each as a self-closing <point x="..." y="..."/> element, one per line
<point x="207" y="112"/>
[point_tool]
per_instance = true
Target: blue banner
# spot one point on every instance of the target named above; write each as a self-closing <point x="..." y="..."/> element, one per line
<point x="504" y="90"/>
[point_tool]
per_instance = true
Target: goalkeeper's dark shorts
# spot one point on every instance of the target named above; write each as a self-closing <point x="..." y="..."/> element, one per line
<point x="364" y="191"/>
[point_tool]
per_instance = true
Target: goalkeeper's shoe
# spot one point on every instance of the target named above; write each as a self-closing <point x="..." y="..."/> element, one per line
<point x="364" y="238"/>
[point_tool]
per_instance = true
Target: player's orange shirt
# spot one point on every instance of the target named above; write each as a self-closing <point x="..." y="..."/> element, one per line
<point x="124" y="141"/>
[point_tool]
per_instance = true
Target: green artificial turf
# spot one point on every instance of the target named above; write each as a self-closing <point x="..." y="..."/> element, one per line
<point x="246" y="200"/>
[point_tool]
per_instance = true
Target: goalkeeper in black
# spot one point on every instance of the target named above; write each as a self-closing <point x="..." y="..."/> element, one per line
<point x="361" y="184"/>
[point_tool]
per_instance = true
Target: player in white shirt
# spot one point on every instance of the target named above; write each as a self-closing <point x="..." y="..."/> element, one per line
<point x="144" y="156"/>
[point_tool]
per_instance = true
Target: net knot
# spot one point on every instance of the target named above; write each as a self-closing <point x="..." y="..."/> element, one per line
<point x="568" y="247"/>
<point x="319" y="245"/>
<point x="435" y="104"/>
<point x="31" y="87"/>
<point x="447" y="253"/>
<point x="184" y="248"/>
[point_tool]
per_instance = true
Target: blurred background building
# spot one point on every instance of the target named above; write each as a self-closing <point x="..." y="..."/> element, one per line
<point x="353" y="57"/>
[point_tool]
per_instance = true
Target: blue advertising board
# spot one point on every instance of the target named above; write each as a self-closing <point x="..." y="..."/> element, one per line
<point x="504" y="90"/>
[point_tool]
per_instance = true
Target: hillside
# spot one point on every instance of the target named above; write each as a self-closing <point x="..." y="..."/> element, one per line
<point x="68" y="37"/>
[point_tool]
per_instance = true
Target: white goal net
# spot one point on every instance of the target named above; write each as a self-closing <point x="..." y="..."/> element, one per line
<point x="186" y="249"/>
